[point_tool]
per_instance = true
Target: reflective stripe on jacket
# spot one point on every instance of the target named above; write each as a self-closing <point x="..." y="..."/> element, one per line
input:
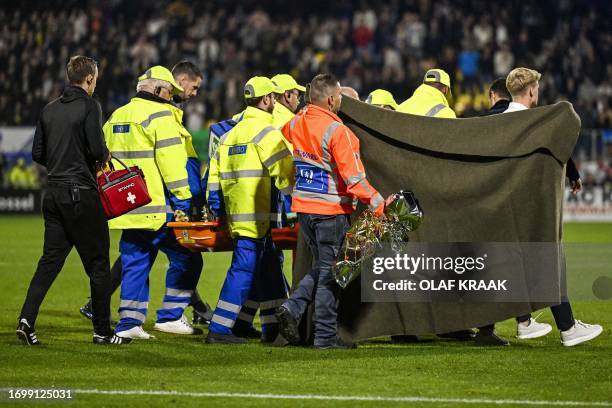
<point x="329" y="173"/>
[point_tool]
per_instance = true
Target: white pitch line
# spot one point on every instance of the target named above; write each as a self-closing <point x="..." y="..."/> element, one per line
<point x="366" y="398"/>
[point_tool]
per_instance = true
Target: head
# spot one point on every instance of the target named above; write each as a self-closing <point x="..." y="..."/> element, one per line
<point x="498" y="92"/>
<point x="159" y="81"/>
<point x="350" y="92"/>
<point x="157" y="87"/>
<point x="325" y="91"/>
<point x="82" y="71"/>
<point x="189" y="77"/>
<point x="523" y="85"/>
<point x="259" y="93"/>
<point x="382" y="98"/>
<point x="290" y="91"/>
<point x="439" y="79"/>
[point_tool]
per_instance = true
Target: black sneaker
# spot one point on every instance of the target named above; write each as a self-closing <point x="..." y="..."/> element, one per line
<point x="114" y="339"/>
<point x="202" y="316"/>
<point x="216" y="338"/>
<point x="461" y="335"/>
<point x="338" y="344"/>
<point x="404" y="339"/>
<point x="27" y="334"/>
<point x="86" y="311"/>
<point x="287" y="325"/>
<point x="489" y="339"/>
<point x="248" y="333"/>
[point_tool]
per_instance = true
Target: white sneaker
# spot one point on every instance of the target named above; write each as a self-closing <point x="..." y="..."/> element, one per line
<point x="580" y="333"/>
<point x="135" y="332"/>
<point x="533" y="330"/>
<point x="180" y="326"/>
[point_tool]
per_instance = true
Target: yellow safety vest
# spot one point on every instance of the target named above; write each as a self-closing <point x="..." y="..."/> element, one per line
<point x="247" y="159"/>
<point x="149" y="134"/>
<point x="427" y="101"/>
<point x="281" y="115"/>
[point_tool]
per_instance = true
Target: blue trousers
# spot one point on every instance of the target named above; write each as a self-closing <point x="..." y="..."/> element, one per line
<point x="255" y="275"/>
<point x="139" y="249"/>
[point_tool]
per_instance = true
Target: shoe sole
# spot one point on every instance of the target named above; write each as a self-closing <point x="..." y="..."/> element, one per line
<point x="287" y="326"/>
<point x="85" y="315"/>
<point x="151" y="337"/>
<point x="535" y="335"/>
<point x="219" y="341"/>
<point x="195" y="332"/>
<point x="582" y="339"/>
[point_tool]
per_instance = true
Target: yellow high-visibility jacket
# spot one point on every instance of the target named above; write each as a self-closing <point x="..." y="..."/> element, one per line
<point x="248" y="157"/>
<point x="281" y="115"/>
<point x="148" y="133"/>
<point x="427" y="101"/>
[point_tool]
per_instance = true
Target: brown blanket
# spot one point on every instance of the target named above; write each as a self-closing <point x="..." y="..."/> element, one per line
<point x="498" y="178"/>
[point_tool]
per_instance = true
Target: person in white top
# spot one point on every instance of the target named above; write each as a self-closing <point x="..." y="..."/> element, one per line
<point x="523" y="85"/>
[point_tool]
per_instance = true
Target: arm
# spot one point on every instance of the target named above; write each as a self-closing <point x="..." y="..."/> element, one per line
<point x="276" y="157"/>
<point x="572" y="173"/>
<point x="344" y="149"/>
<point x="214" y="195"/>
<point x="38" y="145"/>
<point x="171" y="160"/>
<point x="93" y="133"/>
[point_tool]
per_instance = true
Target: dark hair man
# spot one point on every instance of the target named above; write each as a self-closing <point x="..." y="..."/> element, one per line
<point x="69" y="143"/>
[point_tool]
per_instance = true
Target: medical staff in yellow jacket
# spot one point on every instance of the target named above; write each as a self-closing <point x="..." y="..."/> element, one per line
<point x="147" y="133"/>
<point x="287" y="101"/>
<point x="429" y="99"/>
<point x="250" y="158"/>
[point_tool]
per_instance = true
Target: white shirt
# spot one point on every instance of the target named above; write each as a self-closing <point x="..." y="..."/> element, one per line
<point x="515" y="107"/>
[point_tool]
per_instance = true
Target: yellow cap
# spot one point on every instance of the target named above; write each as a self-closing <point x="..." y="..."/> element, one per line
<point x="163" y="74"/>
<point x="437" y="75"/>
<point x="381" y="97"/>
<point x="286" y="83"/>
<point x="259" y="86"/>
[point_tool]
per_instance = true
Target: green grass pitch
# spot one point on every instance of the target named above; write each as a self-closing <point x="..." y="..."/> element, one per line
<point x="456" y="373"/>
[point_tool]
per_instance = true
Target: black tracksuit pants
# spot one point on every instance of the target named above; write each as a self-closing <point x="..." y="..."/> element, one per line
<point x="81" y="224"/>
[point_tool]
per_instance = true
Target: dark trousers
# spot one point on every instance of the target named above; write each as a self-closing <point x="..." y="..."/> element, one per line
<point x="324" y="235"/>
<point x="83" y="225"/>
<point x="564" y="317"/>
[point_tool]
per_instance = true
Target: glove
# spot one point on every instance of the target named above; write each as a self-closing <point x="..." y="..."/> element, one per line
<point x="180" y="216"/>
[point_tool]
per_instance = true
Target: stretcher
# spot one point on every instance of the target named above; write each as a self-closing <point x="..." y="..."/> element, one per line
<point x="210" y="236"/>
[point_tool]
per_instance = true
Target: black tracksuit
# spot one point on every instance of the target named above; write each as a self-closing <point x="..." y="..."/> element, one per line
<point x="69" y="142"/>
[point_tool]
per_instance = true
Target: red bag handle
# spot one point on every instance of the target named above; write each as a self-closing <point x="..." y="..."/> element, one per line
<point x="112" y="167"/>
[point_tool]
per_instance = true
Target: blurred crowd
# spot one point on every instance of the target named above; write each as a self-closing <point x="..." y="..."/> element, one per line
<point x="368" y="44"/>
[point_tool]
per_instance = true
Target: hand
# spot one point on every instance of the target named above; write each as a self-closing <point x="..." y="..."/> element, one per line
<point x="180" y="216"/>
<point x="576" y="186"/>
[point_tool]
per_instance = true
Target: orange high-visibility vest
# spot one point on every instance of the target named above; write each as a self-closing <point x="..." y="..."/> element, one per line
<point x="329" y="173"/>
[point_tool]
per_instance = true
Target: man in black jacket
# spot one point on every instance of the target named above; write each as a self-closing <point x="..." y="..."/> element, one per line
<point x="69" y="143"/>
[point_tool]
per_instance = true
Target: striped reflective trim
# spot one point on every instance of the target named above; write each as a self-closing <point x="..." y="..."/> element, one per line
<point x="216" y="155"/>
<point x="230" y="175"/>
<point x="251" y="217"/>
<point x="134" y="304"/>
<point x="151" y="209"/>
<point x="179" y="292"/>
<point x="135" y="154"/>
<point x="286" y="190"/>
<point x="292" y="122"/>
<point x="271" y="304"/>
<point x="153" y="116"/>
<point x="213" y="187"/>
<point x="174" y="305"/>
<point x="168" y="142"/>
<point x="326" y="139"/>
<point x="363" y="183"/>
<point x="354" y="179"/>
<point x="252" y="304"/>
<point x="276" y="157"/>
<point x="258" y="137"/>
<point x="230" y="307"/>
<point x="329" y="198"/>
<point x="132" y="314"/>
<point x="148" y="73"/>
<point x="376" y="201"/>
<point x="324" y="166"/>
<point x="245" y="317"/>
<point x="223" y="321"/>
<point x="267" y="319"/>
<point x="433" y="111"/>
<point x="276" y="217"/>
<point x="177" y="184"/>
